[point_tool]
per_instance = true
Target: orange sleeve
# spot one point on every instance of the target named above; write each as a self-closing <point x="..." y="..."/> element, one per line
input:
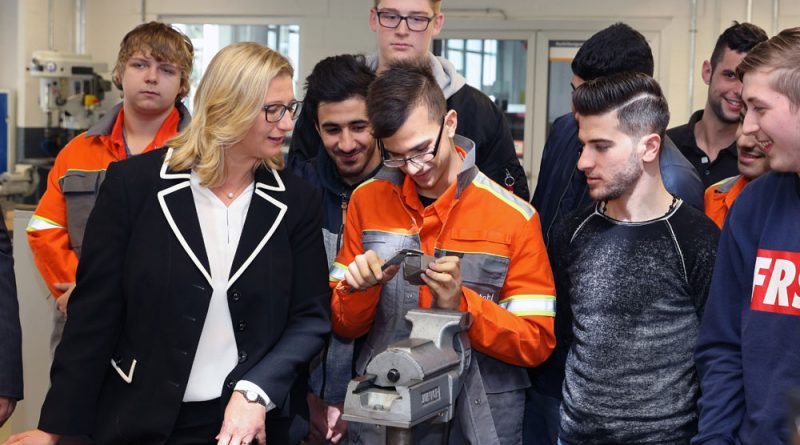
<point x="519" y="328"/>
<point x="714" y="205"/>
<point x="47" y="232"/>
<point x="352" y="312"/>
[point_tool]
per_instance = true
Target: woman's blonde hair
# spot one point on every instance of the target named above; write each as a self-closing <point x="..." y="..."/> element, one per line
<point x="228" y="100"/>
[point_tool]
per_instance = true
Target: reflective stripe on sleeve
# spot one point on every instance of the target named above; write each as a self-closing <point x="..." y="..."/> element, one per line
<point x="530" y="305"/>
<point x="336" y="272"/>
<point x="504" y="195"/>
<point x="39" y="223"/>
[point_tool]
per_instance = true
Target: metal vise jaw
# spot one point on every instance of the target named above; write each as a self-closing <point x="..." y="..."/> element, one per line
<point x="416" y="379"/>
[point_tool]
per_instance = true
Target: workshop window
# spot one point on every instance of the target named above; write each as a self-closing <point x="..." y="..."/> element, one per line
<point x="498" y="68"/>
<point x="475" y="59"/>
<point x="208" y="39"/>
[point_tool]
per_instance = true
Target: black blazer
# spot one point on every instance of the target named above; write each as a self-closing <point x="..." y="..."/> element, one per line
<point x="10" y="337"/>
<point x="143" y="290"/>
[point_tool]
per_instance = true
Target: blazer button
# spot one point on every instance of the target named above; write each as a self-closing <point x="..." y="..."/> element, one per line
<point x="235" y="295"/>
<point x="242" y="325"/>
<point x="231" y="384"/>
<point x="242" y="356"/>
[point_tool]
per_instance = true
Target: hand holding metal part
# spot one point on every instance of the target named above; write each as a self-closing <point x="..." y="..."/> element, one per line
<point x="415" y="263"/>
<point x="366" y="271"/>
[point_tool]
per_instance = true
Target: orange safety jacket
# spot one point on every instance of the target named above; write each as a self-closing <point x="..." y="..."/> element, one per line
<point x="719" y="198"/>
<point x="55" y="232"/>
<point x="507" y="281"/>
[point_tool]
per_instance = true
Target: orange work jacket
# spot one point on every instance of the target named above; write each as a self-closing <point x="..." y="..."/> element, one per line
<point x="507" y="281"/>
<point x="55" y="232"/>
<point x="719" y="198"/>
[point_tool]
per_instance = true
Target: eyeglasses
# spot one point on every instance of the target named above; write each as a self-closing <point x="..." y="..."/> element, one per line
<point x="418" y="159"/>
<point x="275" y="112"/>
<point x="417" y="23"/>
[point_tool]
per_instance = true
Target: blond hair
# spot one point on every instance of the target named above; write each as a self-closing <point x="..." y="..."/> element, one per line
<point x="436" y="5"/>
<point x="228" y="100"/>
<point x="163" y="43"/>
<point x="780" y="54"/>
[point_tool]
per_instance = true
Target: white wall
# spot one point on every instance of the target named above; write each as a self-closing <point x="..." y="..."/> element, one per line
<point x="32" y="34"/>
<point x="8" y="53"/>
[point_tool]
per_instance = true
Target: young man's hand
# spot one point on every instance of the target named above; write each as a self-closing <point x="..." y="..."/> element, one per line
<point x="443" y="277"/>
<point x="63" y="299"/>
<point x="33" y="437"/>
<point x="7" y="406"/>
<point x="326" y="424"/>
<point x="365" y="271"/>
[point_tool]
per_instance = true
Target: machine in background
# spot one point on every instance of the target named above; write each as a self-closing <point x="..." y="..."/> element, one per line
<point x="71" y="94"/>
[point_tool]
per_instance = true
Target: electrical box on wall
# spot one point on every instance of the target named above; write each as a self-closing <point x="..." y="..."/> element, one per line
<point x="7" y="129"/>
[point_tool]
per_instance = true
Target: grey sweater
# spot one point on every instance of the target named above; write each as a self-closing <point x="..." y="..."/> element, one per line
<point x="634" y="294"/>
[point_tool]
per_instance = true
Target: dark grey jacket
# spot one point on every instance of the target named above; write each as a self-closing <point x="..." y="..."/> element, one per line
<point x="10" y="331"/>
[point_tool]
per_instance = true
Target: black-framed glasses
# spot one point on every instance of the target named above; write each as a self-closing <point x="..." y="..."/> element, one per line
<point x="418" y="159"/>
<point x="417" y="23"/>
<point x="274" y="113"/>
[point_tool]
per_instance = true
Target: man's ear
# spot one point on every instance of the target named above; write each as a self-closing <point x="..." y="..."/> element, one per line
<point x="319" y="131"/>
<point x="451" y="123"/>
<point x="706" y="72"/>
<point x="650" y="146"/>
<point x="437" y="24"/>
<point x="373" y="19"/>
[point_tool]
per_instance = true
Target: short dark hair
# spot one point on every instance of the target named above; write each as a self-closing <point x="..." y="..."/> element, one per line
<point x="781" y="55"/>
<point x="616" y="49"/>
<point x="637" y="98"/>
<point x="739" y="37"/>
<point x="403" y="86"/>
<point x="336" y="79"/>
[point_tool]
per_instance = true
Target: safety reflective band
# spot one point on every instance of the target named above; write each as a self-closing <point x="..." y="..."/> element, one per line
<point x="530" y="305"/>
<point x="336" y="272"/>
<point x="39" y="223"/>
<point x="502" y="194"/>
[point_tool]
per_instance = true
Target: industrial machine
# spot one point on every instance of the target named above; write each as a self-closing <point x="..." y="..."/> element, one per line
<point x="71" y="92"/>
<point x="70" y="88"/>
<point x="414" y="380"/>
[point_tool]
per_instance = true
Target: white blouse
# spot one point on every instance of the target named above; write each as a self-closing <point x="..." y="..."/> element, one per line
<point x="217" y="353"/>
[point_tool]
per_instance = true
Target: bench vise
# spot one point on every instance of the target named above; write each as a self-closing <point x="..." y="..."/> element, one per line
<point x="416" y="379"/>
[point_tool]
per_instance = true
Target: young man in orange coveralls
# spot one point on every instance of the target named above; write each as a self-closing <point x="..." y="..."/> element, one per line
<point x="152" y="70"/>
<point x="752" y="163"/>
<point x="491" y="258"/>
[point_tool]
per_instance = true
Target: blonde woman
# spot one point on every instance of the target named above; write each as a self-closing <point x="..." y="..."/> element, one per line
<point x="201" y="293"/>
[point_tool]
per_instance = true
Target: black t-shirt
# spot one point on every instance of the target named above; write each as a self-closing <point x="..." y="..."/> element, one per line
<point x="425" y="200"/>
<point x="711" y="172"/>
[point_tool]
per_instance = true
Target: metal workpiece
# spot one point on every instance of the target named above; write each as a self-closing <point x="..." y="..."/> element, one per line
<point x="417" y="379"/>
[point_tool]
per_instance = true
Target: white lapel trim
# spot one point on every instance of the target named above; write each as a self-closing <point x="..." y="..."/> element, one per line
<point x="283" y="208"/>
<point x="279" y="188"/>
<point x="128" y="378"/>
<point x="162" y="202"/>
<point x="166" y="175"/>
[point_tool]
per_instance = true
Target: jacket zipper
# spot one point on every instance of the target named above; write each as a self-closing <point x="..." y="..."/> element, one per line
<point x="345" y="200"/>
